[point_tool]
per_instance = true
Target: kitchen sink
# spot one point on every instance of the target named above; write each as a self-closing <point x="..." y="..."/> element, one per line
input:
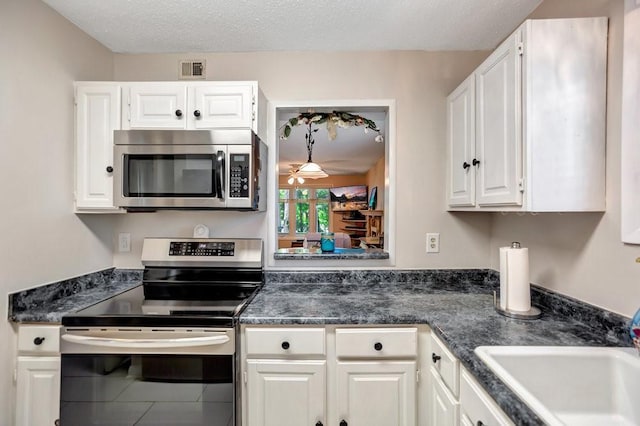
<point x="571" y="385"/>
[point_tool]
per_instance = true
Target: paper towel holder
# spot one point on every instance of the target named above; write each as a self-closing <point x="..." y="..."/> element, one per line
<point x="531" y="314"/>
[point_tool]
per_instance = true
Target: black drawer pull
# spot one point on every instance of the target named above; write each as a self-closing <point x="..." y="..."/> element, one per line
<point x="479" y="423"/>
<point x="377" y="346"/>
<point x="285" y="345"/>
<point x="318" y="423"/>
<point x="38" y="341"/>
<point x="435" y="358"/>
<point x="344" y="423"/>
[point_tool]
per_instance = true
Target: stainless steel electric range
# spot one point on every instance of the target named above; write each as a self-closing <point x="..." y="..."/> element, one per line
<point x="163" y="352"/>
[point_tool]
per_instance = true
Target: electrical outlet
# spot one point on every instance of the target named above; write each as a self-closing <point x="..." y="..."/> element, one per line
<point x="433" y="242"/>
<point x="124" y="242"/>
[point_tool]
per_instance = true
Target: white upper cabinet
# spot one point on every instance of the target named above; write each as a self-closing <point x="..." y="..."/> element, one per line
<point x="97" y="116"/>
<point x="461" y="144"/>
<point x="224" y="105"/>
<point x="195" y="105"/>
<point x="156" y="106"/>
<point x="536" y="141"/>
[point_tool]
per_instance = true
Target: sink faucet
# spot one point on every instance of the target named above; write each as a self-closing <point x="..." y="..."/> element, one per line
<point x="634" y="330"/>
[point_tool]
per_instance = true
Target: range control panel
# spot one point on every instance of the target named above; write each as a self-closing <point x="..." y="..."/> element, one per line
<point x="194" y="248"/>
<point x="239" y="179"/>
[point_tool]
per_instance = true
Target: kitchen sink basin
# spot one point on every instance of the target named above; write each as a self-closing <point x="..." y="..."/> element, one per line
<point x="571" y="385"/>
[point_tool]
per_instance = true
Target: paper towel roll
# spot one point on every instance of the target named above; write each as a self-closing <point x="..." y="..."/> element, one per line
<point x="515" y="290"/>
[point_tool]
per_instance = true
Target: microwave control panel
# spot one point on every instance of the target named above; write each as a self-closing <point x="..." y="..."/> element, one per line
<point x="194" y="248"/>
<point x="239" y="179"/>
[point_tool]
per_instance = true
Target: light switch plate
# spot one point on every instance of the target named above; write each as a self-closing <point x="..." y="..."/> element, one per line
<point x="124" y="242"/>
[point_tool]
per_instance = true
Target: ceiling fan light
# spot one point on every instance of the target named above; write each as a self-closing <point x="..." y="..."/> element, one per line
<point x="290" y="180"/>
<point x="311" y="170"/>
<point x="300" y="180"/>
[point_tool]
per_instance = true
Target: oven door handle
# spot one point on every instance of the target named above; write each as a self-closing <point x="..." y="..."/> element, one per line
<point x="181" y="342"/>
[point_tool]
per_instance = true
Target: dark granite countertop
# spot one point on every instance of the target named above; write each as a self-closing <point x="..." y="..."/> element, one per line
<point x="457" y="306"/>
<point x="48" y="303"/>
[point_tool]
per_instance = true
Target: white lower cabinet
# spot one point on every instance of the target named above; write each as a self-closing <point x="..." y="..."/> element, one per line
<point x="443" y="405"/>
<point x="357" y="376"/>
<point x="455" y="397"/>
<point x="38" y="391"/>
<point x="476" y="406"/>
<point x="340" y="376"/>
<point x="37" y="376"/>
<point x="286" y="392"/>
<point x="376" y="393"/>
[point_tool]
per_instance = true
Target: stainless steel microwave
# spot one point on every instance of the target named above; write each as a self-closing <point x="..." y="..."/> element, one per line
<point x="189" y="169"/>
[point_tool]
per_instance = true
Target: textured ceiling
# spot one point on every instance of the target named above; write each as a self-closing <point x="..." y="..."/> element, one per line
<point x="171" y="26"/>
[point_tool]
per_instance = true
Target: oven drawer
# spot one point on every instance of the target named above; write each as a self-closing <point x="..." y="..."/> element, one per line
<point x="39" y="339"/>
<point x="285" y="341"/>
<point x="377" y="343"/>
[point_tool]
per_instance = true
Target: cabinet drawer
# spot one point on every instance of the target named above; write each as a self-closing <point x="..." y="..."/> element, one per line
<point x="477" y="405"/>
<point x="39" y="339"/>
<point x="445" y="364"/>
<point x="377" y="342"/>
<point x="285" y="341"/>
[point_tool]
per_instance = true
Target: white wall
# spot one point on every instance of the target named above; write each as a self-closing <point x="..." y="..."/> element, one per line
<point x="418" y="81"/>
<point x="581" y="255"/>
<point x="42" y="241"/>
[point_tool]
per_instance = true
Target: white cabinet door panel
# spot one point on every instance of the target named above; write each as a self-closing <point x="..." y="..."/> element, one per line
<point x="498" y="135"/>
<point x="158" y="106"/>
<point x="461" y="144"/>
<point x="444" y="406"/>
<point x="376" y="393"/>
<point x="38" y="391"/>
<point x="97" y="116"/>
<point x="285" y="392"/>
<point x="222" y="106"/>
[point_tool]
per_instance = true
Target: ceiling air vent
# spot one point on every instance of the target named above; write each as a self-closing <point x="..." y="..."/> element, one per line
<point x="192" y="69"/>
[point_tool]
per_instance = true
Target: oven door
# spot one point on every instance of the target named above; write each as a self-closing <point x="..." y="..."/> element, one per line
<point x="170" y="176"/>
<point x="147" y="377"/>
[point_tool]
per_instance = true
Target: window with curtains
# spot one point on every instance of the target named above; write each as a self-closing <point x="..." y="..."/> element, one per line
<point x="303" y="209"/>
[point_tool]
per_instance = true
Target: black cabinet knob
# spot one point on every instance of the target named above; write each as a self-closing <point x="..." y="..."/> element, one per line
<point x="285" y="345"/>
<point x="344" y="423"/>
<point x="178" y="113"/>
<point x="475" y="162"/>
<point x="56" y="422"/>
<point x="318" y="423"/>
<point x="109" y="169"/>
<point x="435" y="358"/>
<point x="479" y="423"/>
<point x="196" y="113"/>
<point x="377" y="346"/>
<point x="38" y="341"/>
<point x="466" y="165"/>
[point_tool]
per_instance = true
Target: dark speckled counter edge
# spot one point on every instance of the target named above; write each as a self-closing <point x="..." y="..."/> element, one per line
<point x="49" y="302"/>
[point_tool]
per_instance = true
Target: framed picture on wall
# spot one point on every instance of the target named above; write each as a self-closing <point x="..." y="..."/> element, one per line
<point x="345" y="198"/>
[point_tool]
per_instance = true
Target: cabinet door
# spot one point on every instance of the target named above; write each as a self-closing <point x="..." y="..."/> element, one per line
<point x="157" y="106"/>
<point x="498" y="126"/>
<point x="461" y="176"/>
<point x="221" y="106"/>
<point x="97" y="116"/>
<point x="285" y="393"/>
<point x="38" y="391"/>
<point x="381" y="393"/>
<point x="443" y="405"/>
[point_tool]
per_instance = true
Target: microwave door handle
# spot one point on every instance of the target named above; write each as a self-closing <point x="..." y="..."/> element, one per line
<point x="182" y="342"/>
<point x="221" y="173"/>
